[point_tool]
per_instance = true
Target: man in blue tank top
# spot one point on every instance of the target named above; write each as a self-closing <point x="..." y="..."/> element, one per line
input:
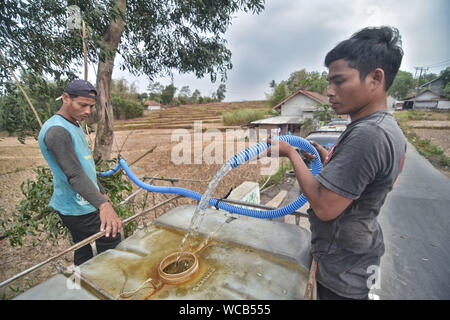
<point x="79" y="199"/>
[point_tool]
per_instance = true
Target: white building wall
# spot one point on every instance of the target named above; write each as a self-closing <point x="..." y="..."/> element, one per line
<point x="391" y="102"/>
<point x="425" y="104"/>
<point x="294" y="106"/>
<point x="427" y="96"/>
<point x="444" y="104"/>
<point x="308" y="115"/>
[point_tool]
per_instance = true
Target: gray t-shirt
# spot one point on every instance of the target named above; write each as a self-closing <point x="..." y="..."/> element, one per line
<point x="363" y="166"/>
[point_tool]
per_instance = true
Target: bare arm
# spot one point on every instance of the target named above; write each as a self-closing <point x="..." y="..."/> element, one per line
<point x="327" y="204"/>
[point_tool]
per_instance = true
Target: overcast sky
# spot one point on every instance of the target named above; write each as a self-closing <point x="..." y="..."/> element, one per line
<point x="293" y="34"/>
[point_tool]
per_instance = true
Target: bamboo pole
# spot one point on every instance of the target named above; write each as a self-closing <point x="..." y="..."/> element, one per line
<point x="86" y="281"/>
<point x="311" y="281"/>
<point x="83" y="30"/>
<point x="23" y="91"/>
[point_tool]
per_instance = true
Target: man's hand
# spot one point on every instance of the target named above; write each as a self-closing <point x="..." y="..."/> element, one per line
<point x="323" y="153"/>
<point x="109" y="219"/>
<point x="279" y="148"/>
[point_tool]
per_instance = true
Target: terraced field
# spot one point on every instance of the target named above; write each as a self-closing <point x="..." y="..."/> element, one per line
<point x="183" y="117"/>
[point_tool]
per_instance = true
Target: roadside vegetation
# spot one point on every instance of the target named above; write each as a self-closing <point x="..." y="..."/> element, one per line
<point x="432" y="152"/>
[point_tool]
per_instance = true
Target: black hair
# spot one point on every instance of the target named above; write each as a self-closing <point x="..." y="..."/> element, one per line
<point x="371" y="48"/>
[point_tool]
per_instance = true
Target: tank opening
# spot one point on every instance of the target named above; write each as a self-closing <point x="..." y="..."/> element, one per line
<point x="173" y="273"/>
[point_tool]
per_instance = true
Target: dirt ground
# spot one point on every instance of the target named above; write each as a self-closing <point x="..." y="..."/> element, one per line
<point x="438" y="137"/>
<point x="438" y="132"/>
<point x="17" y="163"/>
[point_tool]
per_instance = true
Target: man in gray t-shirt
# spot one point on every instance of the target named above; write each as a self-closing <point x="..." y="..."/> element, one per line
<point x="359" y="171"/>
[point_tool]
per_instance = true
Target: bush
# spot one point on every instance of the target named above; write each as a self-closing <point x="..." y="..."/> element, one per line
<point x="279" y="176"/>
<point x="241" y="117"/>
<point x="124" y="108"/>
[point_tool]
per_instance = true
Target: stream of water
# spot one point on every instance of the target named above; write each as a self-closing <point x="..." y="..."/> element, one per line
<point x="199" y="212"/>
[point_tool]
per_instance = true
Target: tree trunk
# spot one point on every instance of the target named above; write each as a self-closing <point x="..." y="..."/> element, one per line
<point x="105" y="128"/>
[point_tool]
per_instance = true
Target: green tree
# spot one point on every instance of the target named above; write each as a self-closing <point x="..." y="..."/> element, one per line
<point x="154" y="37"/>
<point x="272" y="84"/>
<point x="445" y="74"/>
<point x="324" y="113"/>
<point x="195" y="96"/>
<point x="15" y="115"/>
<point x="279" y="94"/>
<point x="126" y="108"/>
<point x="120" y="88"/>
<point x="447" y="90"/>
<point x="220" y="93"/>
<point x="142" y="97"/>
<point x="403" y="85"/>
<point x="184" y="95"/>
<point x="310" y="81"/>
<point x="155" y="89"/>
<point x="168" y="94"/>
<point x="427" y="78"/>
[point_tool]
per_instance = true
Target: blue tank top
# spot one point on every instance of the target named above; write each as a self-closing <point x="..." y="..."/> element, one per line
<point x="64" y="199"/>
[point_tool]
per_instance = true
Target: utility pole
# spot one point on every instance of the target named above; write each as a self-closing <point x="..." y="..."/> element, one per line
<point x="421" y="69"/>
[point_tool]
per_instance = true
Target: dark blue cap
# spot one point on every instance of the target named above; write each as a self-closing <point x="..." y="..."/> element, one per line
<point x="81" y="88"/>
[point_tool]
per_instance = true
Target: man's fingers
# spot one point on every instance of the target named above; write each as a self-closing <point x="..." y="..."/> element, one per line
<point x="314" y="143"/>
<point x="103" y="222"/>
<point x="108" y="229"/>
<point x="115" y="228"/>
<point x="308" y="155"/>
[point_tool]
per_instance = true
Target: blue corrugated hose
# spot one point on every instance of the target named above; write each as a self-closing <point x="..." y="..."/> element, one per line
<point x="235" y="161"/>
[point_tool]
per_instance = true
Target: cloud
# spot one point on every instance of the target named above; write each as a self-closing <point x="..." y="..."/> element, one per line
<point x="293" y="34"/>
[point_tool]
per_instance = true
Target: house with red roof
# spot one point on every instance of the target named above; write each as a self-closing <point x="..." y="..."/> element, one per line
<point x="295" y="110"/>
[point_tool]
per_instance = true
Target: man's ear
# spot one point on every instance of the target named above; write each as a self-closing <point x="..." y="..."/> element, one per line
<point x="377" y="78"/>
<point x="65" y="97"/>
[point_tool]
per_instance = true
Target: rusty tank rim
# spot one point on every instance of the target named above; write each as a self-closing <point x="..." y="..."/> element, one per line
<point x="177" y="277"/>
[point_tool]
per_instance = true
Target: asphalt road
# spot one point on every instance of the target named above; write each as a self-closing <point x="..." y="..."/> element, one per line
<point x="415" y="220"/>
